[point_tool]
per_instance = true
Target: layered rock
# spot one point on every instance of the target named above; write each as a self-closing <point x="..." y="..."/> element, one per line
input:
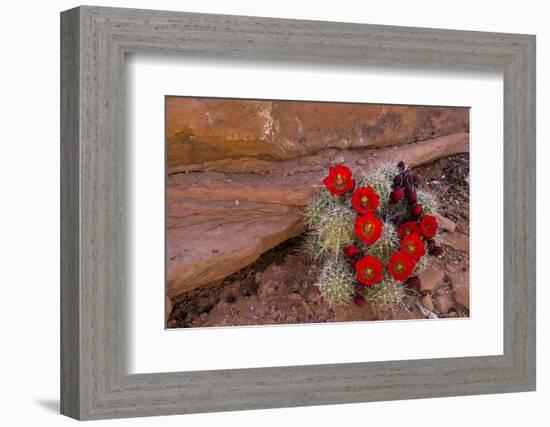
<point x="224" y="213"/>
<point x="199" y="130"/>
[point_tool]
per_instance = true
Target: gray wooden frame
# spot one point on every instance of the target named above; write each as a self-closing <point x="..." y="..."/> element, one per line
<point x="94" y="382"/>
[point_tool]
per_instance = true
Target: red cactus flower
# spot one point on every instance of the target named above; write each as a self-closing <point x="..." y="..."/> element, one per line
<point x="368" y="228"/>
<point x="416" y="211"/>
<point x="400" y="266"/>
<point x="428" y="226"/>
<point x="351" y="251"/>
<point x="369" y="270"/>
<point x="365" y="200"/>
<point x="339" y="180"/>
<point x="396" y="195"/>
<point x="413" y="246"/>
<point x="408" y="228"/>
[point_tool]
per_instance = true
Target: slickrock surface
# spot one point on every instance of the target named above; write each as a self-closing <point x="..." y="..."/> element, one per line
<point x="200" y="130"/>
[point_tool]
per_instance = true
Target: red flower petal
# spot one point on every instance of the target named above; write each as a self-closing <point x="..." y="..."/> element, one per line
<point x="400" y="266"/>
<point x="413" y="246"/>
<point x="369" y="270"/>
<point x="428" y="226"/>
<point x="408" y="228"/>
<point x="365" y="200"/>
<point x="368" y="228"/>
<point x="339" y="180"/>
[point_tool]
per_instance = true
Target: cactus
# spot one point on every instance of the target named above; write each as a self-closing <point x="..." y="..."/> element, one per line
<point x="428" y="201"/>
<point x="386" y="245"/>
<point x="381" y="181"/>
<point x="337" y="282"/>
<point x="336" y="229"/>
<point x="332" y="221"/>
<point x="384" y="295"/>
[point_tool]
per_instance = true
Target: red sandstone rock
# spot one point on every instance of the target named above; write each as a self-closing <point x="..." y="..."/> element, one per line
<point x="444" y="303"/>
<point x="428" y="302"/>
<point x="431" y="279"/>
<point x="458" y="241"/>
<point x="461" y="288"/>
<point x="445" y="223"/>
<point x="168" y="307"/>
<point x="208" y="240"/>
<point x="200" y="130"/>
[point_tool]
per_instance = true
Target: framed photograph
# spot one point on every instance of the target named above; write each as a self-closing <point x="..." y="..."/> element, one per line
<point x="262" y="213"/>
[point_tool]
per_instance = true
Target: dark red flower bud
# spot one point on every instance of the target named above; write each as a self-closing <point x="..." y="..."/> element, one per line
<point x="397" y="180"/>
<point x="416" y="210"/>
<point x="359" y="300"/>
<point x="413" y="282"/>
<point x="351" y="251"/>
<point x="401" y="165"/>
<point x="436" y="250"/>
<point x="396" y="195"/>
<point x="411" y="197"/>
<point x="430" y="243"/>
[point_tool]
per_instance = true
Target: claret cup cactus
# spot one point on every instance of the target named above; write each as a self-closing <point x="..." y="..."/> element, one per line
<point x="372" y="235"/>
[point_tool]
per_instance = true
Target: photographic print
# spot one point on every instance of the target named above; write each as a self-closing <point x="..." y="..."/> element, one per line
<point x="297" y="212"/>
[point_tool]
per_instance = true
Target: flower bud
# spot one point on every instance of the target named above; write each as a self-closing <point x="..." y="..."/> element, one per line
<point x="430" y="243"/>
<point x="397" y="180"/>
<point x="396" y="195"/>
<point x="436" y="250"/>
<point x="401" y="165"/>
<point x="351" y="251"/>
<point x="416" y="210"/>
<point x="413" y="282"/>
<point x="411" y="197"/>
<point x="359" y="300"/>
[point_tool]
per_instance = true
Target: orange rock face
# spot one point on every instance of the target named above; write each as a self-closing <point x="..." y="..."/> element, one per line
<point x="200" y="130"/>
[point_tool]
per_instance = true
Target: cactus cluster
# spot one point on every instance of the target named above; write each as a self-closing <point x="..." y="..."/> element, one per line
<point x="373" y="236"/>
